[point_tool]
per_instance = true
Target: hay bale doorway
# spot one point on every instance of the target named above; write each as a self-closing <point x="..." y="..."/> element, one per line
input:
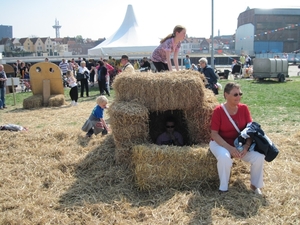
<point x="137" y="117"/>
<point x="157" y="121"/>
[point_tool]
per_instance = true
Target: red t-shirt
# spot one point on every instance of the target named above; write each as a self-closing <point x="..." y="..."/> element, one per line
<point x="221" y="123"/>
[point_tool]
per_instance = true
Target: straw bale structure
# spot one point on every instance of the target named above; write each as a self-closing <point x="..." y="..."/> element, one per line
<point x="46" y="83"/>
<point x="131" y="119"/>
<point x="161" y="166"/>
<point x="142" y="102"/>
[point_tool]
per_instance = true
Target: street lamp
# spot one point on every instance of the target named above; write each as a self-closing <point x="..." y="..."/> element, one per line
<point x="212" y="35"/>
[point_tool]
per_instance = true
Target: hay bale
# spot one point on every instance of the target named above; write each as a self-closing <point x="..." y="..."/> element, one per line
<point x="161" y="91"/>
<point x="56" y="100"/>
<point x="123" y="155"/>
<point x="198" y="119"/>
<point x="157" y="167"/>
<point x="151" y="96"/>
<point x="129" y="123"/>
<point x="34" y="101"/>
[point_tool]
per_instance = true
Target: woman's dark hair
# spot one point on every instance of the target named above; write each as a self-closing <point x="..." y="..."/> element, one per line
<point x="178" y="28"/>
<point x="101" y="63"/>
<point x="229" y="86"/>
<point x="170" y="119"/>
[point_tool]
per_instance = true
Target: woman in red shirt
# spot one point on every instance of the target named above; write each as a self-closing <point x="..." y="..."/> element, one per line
<point x="223" y="134"/>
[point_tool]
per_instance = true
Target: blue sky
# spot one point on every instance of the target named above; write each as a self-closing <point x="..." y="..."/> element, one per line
<point x="101" y="18"/>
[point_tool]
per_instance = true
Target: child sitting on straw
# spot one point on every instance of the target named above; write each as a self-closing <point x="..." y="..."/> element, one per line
<point x="170" y="136"/>
<point x="95" y="123"/>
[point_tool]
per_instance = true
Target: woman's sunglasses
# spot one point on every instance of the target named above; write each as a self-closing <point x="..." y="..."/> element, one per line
<point x="236" y="94"/>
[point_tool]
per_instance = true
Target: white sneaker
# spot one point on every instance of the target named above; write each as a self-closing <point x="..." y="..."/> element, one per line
<point x="75" y="104"/>
<point x="257" y="191"/>
<point x="72" y="103"/>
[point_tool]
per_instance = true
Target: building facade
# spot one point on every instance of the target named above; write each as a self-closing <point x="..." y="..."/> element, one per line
<point x="6" y="31"/>
<point x="268" y="31"/>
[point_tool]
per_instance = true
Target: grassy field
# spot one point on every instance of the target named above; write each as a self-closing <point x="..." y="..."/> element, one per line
<point x="53" y="174"/>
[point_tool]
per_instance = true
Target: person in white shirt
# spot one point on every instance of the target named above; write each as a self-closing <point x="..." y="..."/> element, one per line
<point x="84" y="80"/>
<point x="72" y="82"/>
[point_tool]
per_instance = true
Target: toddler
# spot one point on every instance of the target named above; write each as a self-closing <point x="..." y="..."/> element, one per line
<point x="95" y="123"/>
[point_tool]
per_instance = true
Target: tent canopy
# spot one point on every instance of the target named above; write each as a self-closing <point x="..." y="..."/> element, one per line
<point x="129" y="39"/>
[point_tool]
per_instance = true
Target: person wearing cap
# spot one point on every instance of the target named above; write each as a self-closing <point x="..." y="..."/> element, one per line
<point x="126" y="64"/>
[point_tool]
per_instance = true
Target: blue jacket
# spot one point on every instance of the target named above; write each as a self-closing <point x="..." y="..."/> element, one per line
<point x="210" y="75"/>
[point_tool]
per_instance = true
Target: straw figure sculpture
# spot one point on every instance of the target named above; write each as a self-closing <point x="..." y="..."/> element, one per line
<point x="46" y="85"/>
<point x="142" y="102"/>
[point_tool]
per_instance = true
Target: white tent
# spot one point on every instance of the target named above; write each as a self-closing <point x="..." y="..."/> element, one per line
<point x="129" y="39"/>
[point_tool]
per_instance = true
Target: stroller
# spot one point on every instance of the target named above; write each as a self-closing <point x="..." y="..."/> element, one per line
<point x="237" y="71"/>
<point x="25" y="83"/>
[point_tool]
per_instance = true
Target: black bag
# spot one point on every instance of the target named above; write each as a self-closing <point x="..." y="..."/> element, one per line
<point x="79" y="76"/>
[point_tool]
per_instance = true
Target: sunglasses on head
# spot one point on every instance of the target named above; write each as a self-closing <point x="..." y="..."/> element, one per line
<point x="236" y="94"/>
<point x="170" y="126"/>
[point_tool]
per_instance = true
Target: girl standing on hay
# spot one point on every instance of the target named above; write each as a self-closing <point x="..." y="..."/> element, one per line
<point x="161" y="56"/>
<point x="95" y="123"/>
<point x="73" y="85"/>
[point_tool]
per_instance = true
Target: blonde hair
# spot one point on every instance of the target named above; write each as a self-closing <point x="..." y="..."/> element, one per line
<point x="69" y="73"/>
<point x="82" y="62"/>
<point x="101" y="99"/>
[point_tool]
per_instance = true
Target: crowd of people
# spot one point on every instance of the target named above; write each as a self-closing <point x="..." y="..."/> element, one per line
<point x="226" y="121"/>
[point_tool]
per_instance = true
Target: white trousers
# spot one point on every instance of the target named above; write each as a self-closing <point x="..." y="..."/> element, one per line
<point x="225" y="163"/>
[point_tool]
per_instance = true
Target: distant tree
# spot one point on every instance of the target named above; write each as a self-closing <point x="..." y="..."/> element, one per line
<point x="79" y="39"/>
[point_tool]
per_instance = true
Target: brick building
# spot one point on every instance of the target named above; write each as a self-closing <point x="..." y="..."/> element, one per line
<point x="268" y="30"/>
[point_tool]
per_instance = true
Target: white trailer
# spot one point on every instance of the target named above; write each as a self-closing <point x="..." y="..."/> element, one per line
<point x="270" y="68"/>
